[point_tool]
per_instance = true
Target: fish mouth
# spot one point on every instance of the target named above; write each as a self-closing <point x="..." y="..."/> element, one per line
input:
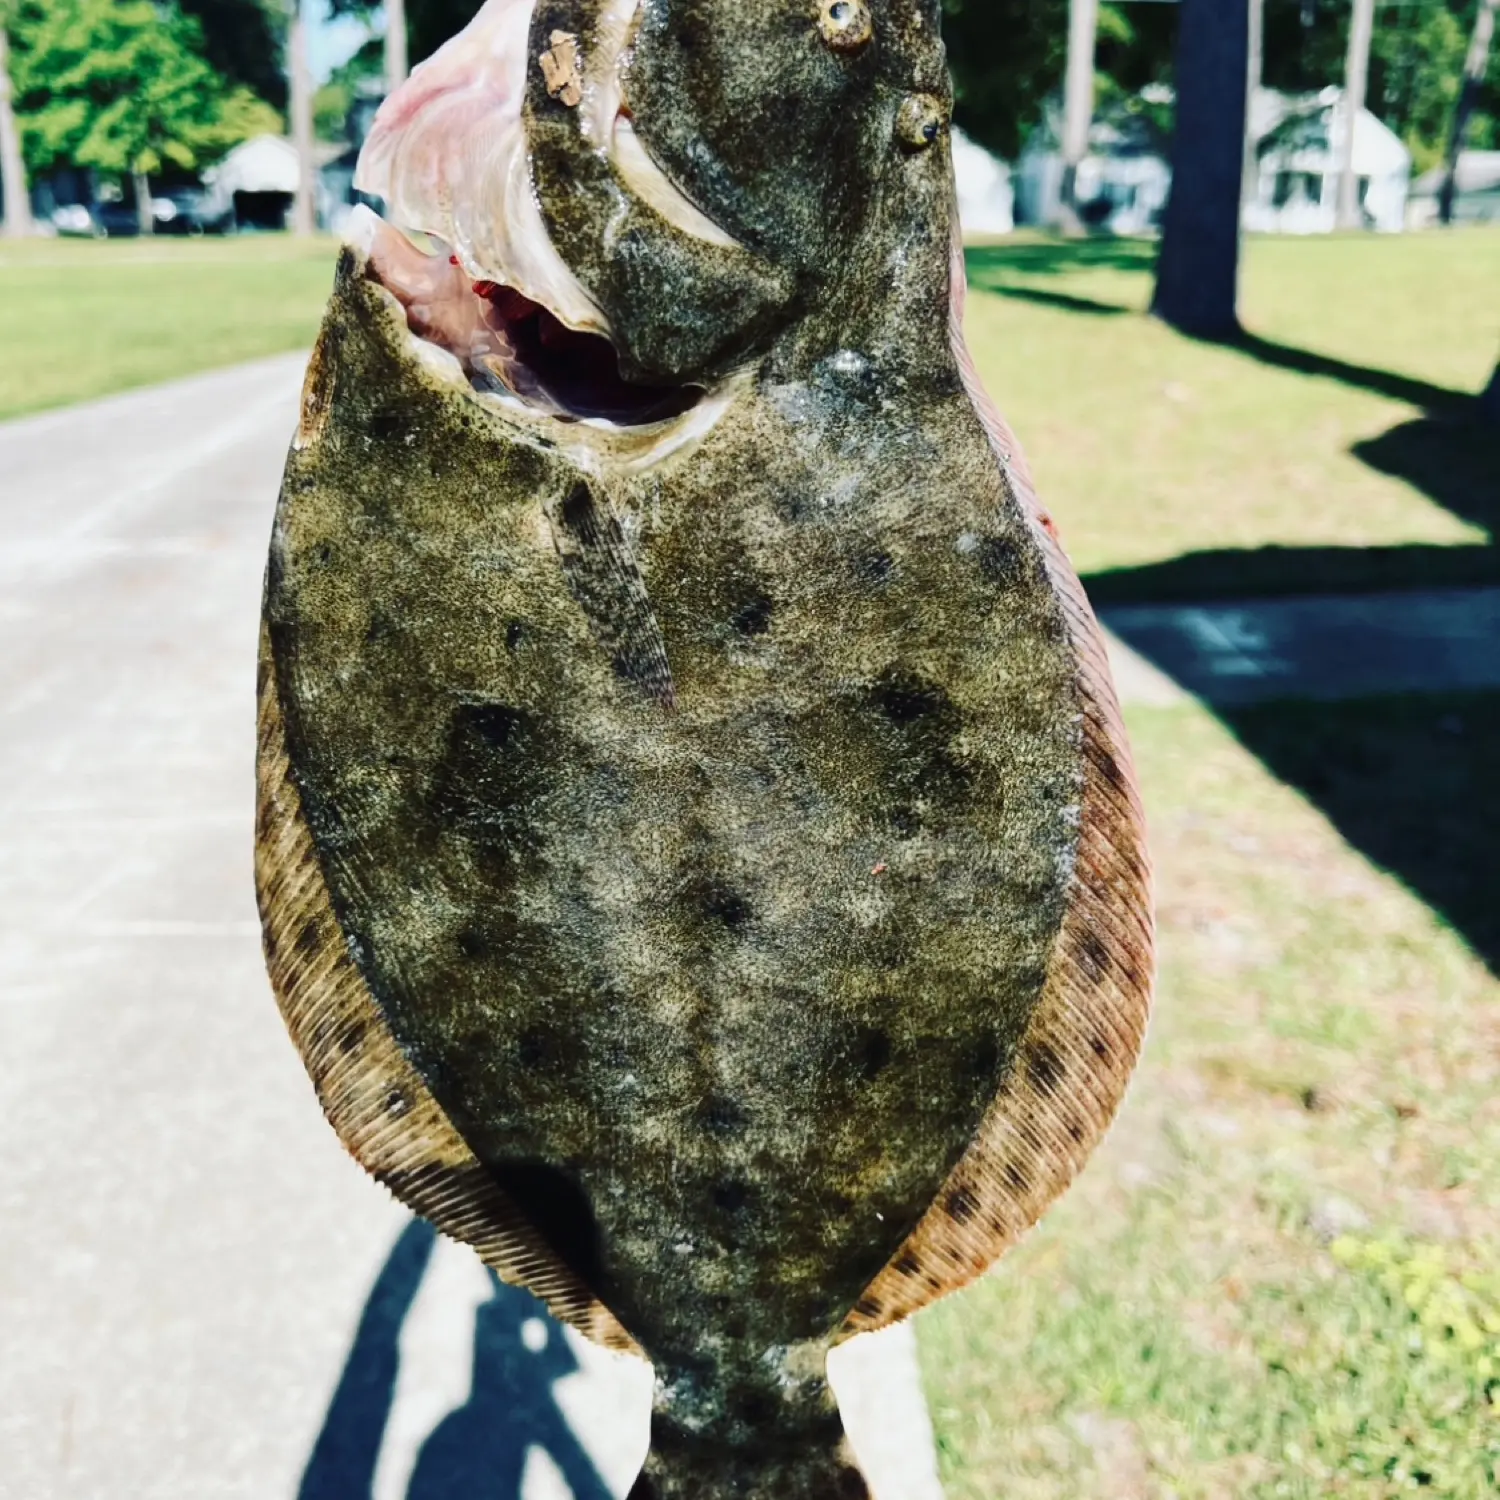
<point x="463" y="247"/>
<point x="511" y="349"/>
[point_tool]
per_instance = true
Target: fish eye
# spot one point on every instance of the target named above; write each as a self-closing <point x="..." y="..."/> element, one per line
<point x="920" y="121"/>
<point x="846" y="24"/>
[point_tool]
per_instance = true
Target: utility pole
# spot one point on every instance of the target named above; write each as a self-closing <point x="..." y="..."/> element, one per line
<point x="1476" y="65"/>
<point x="1356" y="80"/>
<point x="12" y="167"/>
<point x="302" y="127"/>
<point x="395" y="46"/>
<point x="1078" y="104"/>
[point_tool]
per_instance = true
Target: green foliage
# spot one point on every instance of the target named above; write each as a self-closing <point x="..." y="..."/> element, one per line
<point x="332" y="102"/>
<point x="242" y="41"/>
<point x="122" y="86"/>
<point x="1416" y="70"/>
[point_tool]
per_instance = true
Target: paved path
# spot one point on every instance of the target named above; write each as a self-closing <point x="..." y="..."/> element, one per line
<point x="200" y="1296"/>
<point x="1235" y="652"/>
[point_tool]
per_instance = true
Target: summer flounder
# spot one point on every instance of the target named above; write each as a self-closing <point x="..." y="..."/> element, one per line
<point x="699" y="856"/>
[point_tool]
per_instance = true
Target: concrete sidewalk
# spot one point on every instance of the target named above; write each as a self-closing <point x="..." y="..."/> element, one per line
<point x="1247" y="651"/>
<point x="201" y="1296"/>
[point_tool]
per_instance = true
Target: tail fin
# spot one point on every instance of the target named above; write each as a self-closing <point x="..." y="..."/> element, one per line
<point x="766" y="1429"/>
<point x="769" y="1466"/>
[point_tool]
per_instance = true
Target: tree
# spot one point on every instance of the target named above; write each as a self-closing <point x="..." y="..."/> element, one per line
<point x="13" y="189"/>
<point x="243" y="43"/>
<point x="121" y="86"/>
<point x="1078" y="101"/>
<point x="1476" y="64"/>
<point x="1198" y="270"/>
<point x="1356" y="80"/>
<point x="302" y="119"/>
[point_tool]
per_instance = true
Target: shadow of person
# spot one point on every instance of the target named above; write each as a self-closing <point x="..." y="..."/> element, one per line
<point x="343" y="1460"/>
<point x="479" y="1451"/>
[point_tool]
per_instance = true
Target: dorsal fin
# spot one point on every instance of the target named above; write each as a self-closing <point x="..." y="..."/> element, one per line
<point x="372" y="1095"/>
<point x="1073" y="1062"/>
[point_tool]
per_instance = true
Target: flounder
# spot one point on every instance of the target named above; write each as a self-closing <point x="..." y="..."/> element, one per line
<point x="698" y="851"/>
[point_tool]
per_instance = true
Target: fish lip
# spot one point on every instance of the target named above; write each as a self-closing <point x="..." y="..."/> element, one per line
<point x="660" y="422"/>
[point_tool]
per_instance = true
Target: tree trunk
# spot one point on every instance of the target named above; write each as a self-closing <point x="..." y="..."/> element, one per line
<point x="145" y="220"/>
<point x="1078" y="106"/>
<point x="302" y="131"/>
<point x="1476" y="65"/>
<point x="1489" y="401"/>
<point x="1356" y="80"/>
<point x="395" y="45"/>
<point x="12" y="167"/>
<point x="1198" y="270"/>
<point x="1254" y="76"/>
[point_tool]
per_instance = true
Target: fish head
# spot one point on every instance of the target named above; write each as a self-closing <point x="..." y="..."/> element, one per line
<point x="629" y="201"/>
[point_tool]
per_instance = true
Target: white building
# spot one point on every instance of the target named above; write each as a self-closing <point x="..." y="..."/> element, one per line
<point x="986" y="200"/>
<point x="1477" y="196"/>
<point x="1299" y="148"/>
<point x="1122" y="182"/>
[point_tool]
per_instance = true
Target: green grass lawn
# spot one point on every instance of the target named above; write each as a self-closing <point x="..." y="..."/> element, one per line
<point x="1335" y="435"/>
<point x="82" y="318"/>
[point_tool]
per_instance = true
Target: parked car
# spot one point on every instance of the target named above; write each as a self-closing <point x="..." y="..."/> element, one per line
<point x="177" y="211"/>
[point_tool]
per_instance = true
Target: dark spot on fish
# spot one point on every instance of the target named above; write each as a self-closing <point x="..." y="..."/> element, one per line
<point x="906" y="822"/>
<point x="1043" y="1066"/>
<point x="310" y="938"/>
<point x="874" y="568"/>
<point x="1075" y="1131"/>
<point x="723" y="1116"/>
<point x="534" y="1049"/>
<point x="1094" y="956"/>
<point x="515" y="634"/>
<point x="1017" y="1176"/>
<point x="270" y="945"/>
<point x="908" y="1264"/>
<point x="754" y="617"/>
<point x="850" y="1484"/>
<point x="577" y="509"/>
<point x="354" y="1035"/>
<point x="903" y="701"/>
<point x="560" y="1211"/>
<point x="867" y="1307"/>
<point x="1000" y="562"/>
<point x="1100" y="1046"/>
<point x="387" y="422"/>
<point x="754" y="1408"/>
<point x="731" y="1196"/>
<point x="874" y="1051"/>
<point x="986" y="1057"/>
<point x="723" y="905"/>
<point x="471" y="944"/>
<point x="962" y="1205"/>
<point x="396" y="1103"/>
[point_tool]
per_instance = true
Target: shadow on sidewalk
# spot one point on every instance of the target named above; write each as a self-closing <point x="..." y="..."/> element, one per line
<point x="479" y="1451"/>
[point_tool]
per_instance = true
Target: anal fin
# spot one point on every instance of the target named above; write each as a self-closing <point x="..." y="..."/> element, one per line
<point x="374" y="1098"/>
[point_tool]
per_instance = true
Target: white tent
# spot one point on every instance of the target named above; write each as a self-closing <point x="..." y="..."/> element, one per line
<point x="1300" y="143"/>
<point x="986" y="203"/>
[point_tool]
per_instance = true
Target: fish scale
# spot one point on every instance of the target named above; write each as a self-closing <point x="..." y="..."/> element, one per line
<point x="700" y="865"/>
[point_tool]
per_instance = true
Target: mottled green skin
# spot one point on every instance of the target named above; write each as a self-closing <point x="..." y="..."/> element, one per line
<point x="720" y="992"/>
